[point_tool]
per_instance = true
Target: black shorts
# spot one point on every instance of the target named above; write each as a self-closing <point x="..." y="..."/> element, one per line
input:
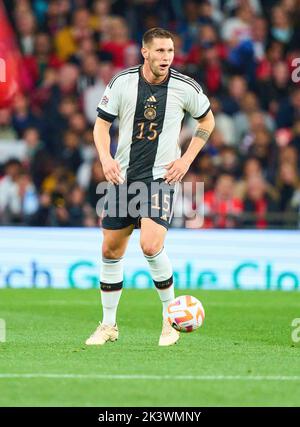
<point x="127" y="203"/>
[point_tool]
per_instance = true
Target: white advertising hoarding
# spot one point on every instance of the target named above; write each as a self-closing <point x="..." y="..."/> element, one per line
<point x="204" y="259"/>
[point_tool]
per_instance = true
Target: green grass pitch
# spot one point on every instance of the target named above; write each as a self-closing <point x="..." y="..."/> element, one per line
<point x="242" y="356"/>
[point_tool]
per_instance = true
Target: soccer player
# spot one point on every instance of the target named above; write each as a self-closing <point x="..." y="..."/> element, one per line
<point x="150" y="101"/>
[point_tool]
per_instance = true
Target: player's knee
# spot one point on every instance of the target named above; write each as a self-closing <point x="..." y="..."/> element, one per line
<point x="150" y="248"/>
<point x="111" y="252"/>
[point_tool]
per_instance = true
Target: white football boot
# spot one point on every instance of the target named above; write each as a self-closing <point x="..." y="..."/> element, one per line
<point x="169" y="335"/>
<point x="103" y="334"/>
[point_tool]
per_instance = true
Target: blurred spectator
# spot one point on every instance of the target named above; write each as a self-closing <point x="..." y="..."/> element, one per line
<point x="237" y="88"/>
<point x="70" y="154"/>
<point x="66" y="85"/>
<point x="42" y="58"/>
<point x="38" y="160"/>
<point x="224" y="123"/>
<point x="93" y="93"/>
<point x="18" y="198"/>
<point x="274" y="91"/>
<point x="89" y="70"/>
<point x="238" y="34"/>
<point x="180" y="58"/>
<point x="238" y="28"/>
<point x="187" y="27"/>
<point x="263" y="149"/>
<point x="274" y="54"/>
<point x="251" y="117"/>
<point x="260" y="209"/>
<point x="289" y="111"/>
<point x="259" y="36"/>
<point x="188" y="211"/>
<point x="281" y="27"/>
<point x="207" y="51"/>
<point x="118" y="43"/>
<point x="257" y="122"/>
<point x="68" y="38"/>
<point x="101" y="10"/>
<point x="9" y="189"/>
<point x="287" y="183"/>
<point x="86" y="47"/>
<point x="76" y="207"/>
<point x="57" y="183"/>
<point x="295" y="141"/>
<point x="205" y="167"/>
<point x="229" y="162"/>
<point x="78" y="124"/>
<point x="41" y="95"/>
<point x="6" y="129"/>
<point x="42" y="216"/>
<point x="26" y="27"/>
<point x="249" y="104"/>
<point x="72" y="211"/>
<point x="58" y="12"/>
<point x="217" y="142"/>
<point x="61" y="105"/>
<point x="22" y="116"/>
<point x="221" y="208"/>
<point x="27" y="198"/>
<point x="289" y="154"/>
<point x="252" y="168"/>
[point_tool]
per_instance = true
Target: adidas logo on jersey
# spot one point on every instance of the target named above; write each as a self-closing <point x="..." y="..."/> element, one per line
<point x="151" y="99"/>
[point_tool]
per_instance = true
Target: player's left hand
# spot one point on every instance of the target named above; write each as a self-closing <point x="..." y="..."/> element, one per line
<point x="176" y="171"/>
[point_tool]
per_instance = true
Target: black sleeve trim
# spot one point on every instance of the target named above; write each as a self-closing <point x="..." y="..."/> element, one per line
<point x="203" y="115"/>
<point x="105" y="116"/>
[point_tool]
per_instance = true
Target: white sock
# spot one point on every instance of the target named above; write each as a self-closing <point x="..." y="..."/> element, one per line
<point x="166" y="296"/>
<point x="110" y="301"/>
<point x="161" y="272"/>
<point x="111" y="282"/>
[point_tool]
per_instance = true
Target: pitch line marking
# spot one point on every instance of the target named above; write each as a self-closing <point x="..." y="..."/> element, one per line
<point x="156" y="377"/>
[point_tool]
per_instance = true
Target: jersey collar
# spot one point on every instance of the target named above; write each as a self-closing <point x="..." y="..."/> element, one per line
<point x="164" y="82"/>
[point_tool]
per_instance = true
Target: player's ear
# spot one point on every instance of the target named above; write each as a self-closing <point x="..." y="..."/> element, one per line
<point x="145" y="52"/>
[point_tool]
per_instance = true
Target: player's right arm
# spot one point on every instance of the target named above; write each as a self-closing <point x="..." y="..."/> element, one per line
<point x="111" y="167"/>
<point x="108" y="110"/>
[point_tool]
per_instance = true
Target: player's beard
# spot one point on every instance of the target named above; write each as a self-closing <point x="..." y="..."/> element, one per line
<point x="156" y="70"/>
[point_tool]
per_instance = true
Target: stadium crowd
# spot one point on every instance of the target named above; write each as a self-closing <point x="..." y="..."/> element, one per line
<point x="240" y="51"/>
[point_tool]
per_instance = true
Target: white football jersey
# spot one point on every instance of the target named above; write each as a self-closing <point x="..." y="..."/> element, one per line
<point x="150" y="119"/>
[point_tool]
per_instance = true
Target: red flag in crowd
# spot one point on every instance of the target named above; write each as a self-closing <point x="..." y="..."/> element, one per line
<point x="9" y="60"/>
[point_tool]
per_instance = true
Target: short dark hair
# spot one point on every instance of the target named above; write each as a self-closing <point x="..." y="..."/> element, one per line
<point x="156" y="33"/>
